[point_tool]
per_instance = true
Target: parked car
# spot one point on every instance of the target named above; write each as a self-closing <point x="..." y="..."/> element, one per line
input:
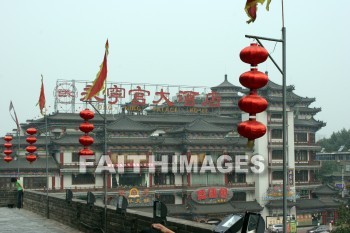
<point x="276" y="228"/>
<point x="319" y="229"/>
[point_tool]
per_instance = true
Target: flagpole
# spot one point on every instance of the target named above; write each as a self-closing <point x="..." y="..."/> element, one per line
<point x="41" y="103"/>
<point x="105" y="153"/>
<point x="18" y="151"/>
<point x="47" y="169"/>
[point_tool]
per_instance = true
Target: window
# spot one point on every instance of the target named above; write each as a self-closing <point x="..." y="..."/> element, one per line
<point x="304" y="193"/>
<point x="163" y="179"/>
<point x="236" y="178"/>
<point x="130" y="179"/>
<point x="301" y="176"/>
<point x="87" y="178"/>
<point x="276" y="134"/>
<point x="275" y="116"/>
<point x="301" y="155"/>
<point x="75" y="157"/>
<point x="300" y="137"/>
<point x="239" y="196"/>
<point x="277" y="154"/>
<point x="167" y="199"/>
<point x="277" y="175"/>
<point x="311" y="137"/>
<point x="241" y="178"/>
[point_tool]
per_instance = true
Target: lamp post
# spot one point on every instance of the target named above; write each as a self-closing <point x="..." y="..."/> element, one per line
<point x="284" y="122"/>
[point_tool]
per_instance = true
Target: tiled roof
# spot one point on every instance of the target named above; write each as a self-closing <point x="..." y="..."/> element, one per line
<point x="226" y="84"/>
<point x="309" y="122"/>
<point x="325" y="190"/>
<point x="22" y="163"/>
<point x="124" y="123"/>
<point x="201" y="126"/>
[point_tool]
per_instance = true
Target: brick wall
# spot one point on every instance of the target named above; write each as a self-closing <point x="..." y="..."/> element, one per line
<point x="8" y="197"/>
<point x="80" y="216"/>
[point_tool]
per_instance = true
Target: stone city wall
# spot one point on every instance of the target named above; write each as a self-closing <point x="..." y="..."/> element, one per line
<point x="79" y="215"/>
<point x="8" y="197"/>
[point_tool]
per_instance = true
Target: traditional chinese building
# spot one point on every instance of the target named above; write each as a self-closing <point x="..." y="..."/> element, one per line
<point x="193" y="124"/>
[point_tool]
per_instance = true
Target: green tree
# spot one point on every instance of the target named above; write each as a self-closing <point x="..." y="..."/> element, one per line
<point x="336" y="140"/>
<point x="327" y="168"/>
<point x="343" y="222"/>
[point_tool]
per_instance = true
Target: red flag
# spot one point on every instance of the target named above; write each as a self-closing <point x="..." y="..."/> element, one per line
<point x="42" y="100"/>
<point x="251" y="8"/>
<point x="101" y="76"/>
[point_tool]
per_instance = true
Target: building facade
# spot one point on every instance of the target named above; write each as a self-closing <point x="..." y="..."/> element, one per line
<point x="201" y="128"/>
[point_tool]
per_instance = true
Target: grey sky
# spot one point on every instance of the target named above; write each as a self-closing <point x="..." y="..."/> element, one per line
<point x="190" y="42"/>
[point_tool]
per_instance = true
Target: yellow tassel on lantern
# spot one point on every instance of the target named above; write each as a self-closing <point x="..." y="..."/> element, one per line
<point x="250" y="144"/>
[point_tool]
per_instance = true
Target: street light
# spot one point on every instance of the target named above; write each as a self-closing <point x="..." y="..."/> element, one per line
<point x="284" y="122"/>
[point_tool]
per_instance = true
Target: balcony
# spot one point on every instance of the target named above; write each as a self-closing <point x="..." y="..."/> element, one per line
<point x="308" y="164"/>
<point x="307" y="184"/>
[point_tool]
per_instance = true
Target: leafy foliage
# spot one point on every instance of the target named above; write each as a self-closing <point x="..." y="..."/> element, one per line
<point x="336" y="140"/>
<point x="343" y="222"/>
<point x="328" y="167"/>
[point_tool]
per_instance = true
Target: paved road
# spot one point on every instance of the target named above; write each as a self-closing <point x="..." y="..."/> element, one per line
<point x="24" y="221"/>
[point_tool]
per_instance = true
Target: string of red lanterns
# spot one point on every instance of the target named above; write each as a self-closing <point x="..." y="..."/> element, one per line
<point x="86" y="127"/>
<point x="253" y="103"/>
<point x="31" y="149"/>
<point x="8" y="150"/>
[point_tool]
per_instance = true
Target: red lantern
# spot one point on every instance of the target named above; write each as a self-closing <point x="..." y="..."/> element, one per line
<point x="7" y="158"/>
<point x="85" y="152"/>
<point x="86" y="127"/>
<point x="8" y="138"/>
<point x="253" y="79"/>
<point x="251" y="129"/>
<point x="7" y="151"/>
<point x="31" y="158"/>
<point x="254" y="54"/>
<point x="31" y="139"/>
<point x="7" y="145"/>
<point x="86" y="140"/>
<point x="31" y="131"/>
<point x="31" y="149"/>
<point x="87" y="114"/>
<point x="252" y="104"/>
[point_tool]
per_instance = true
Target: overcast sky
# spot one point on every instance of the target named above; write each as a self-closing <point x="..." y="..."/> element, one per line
<point x="187" y="42"/>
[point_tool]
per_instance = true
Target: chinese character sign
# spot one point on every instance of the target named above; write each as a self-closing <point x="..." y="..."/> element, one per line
<point x="212" y="195"/>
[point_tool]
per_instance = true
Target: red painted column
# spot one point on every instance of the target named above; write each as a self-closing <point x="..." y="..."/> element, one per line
<point x="61" y="158"/>
<point x="150" y="181"/>
<point x="109" y="183"/>
<point x="62" y="163"/>
<point x="188" y="174"/>
<point x="225" y="175"/>
<point x="53" y="182"/>
<point x="62" y="187"/>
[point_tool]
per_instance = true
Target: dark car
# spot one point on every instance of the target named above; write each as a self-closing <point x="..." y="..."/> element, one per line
<point x="319" y="229"/>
